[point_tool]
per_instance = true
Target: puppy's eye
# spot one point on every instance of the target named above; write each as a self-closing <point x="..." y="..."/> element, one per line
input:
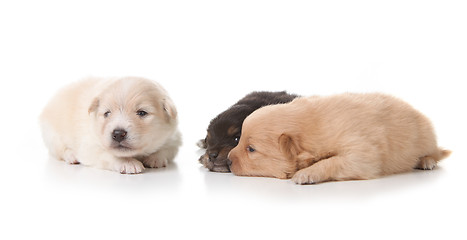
<point x="237" y="138"/>
<point x="141" y="113"/>
<point x="250" y="149"/>
<point x="107" y="114"/>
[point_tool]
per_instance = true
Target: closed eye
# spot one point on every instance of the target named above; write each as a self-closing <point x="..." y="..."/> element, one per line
<point x="250" y="149"/>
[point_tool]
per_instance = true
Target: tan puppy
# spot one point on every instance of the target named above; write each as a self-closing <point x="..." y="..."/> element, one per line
<point x="340" y="137"/>
<point x="117" y="124"/>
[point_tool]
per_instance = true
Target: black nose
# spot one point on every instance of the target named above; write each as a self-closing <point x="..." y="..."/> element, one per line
<point x="119" y="135"/>
<point x="213" y="155"/>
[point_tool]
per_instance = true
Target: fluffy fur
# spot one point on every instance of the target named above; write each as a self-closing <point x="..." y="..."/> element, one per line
<point x="223" y="132"/>
<point x="334" y="138"/>
<point x="121" y="124"/>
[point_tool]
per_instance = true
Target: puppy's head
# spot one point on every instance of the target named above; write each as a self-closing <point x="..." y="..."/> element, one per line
<point x="224" y="130"/>
<point x="264" y="149"/>
<point x="132" y="116"/>
<point x="223" y="135"/>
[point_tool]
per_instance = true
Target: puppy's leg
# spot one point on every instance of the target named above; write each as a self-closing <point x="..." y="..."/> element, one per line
<point x="426" y="163"/>
<point x="69" y="157"/>
<point x="95" y="157"/>
<point x="122" y="165"/>
<point x="430" y="161"/>
<point x="156" y="160"/>
<point x="337" y="168"/>
<point x="127" y="165"/>
<point x="204" y="159"/>
<point x="160" y="158"/>
<point x="202" y="144"/>
<point x="165" y="154"/>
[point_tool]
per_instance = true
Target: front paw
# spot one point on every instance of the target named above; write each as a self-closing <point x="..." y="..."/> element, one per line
<point x="204" y="159"/>
<point x="304" y="176"/>
<point x="69" y="157"/>
<point x="128" y="166"/>
<point x="202" y="144"/>
<point x="155" y="161"/>
<point x="426" y="163"/>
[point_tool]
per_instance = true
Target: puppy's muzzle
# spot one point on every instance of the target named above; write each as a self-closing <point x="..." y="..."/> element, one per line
<point x="119" y="135"/>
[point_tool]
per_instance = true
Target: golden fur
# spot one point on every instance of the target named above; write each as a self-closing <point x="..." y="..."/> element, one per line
<point x="340" y="137"/>
<point x="79" y="122"/>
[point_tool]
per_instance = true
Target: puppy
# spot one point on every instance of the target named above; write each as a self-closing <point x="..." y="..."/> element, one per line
<point x="121" y="124"/>
<point x="334" y="138"/>
<point x="223" y="132"/>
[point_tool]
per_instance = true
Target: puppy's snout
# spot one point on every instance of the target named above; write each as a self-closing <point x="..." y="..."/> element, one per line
<point x="229" y="159"/>
<point x="119" y="135"/>
<point x="233" y="163"/>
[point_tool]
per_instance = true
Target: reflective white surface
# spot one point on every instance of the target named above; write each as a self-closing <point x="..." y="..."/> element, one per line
<point x="208" y="54"/>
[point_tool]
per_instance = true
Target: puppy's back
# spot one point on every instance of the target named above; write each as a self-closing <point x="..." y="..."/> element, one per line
<point x="264" y="98"/>
<point x="390" y="129"/>
<point x="69" y="102"/>
<point x="64" y="116"/>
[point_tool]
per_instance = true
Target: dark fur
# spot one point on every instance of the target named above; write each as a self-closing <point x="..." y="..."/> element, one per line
<point x="224" y="130"/>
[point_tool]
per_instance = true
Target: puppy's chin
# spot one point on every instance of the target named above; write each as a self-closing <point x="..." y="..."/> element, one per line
<point x="244" y="169"/>
<point x="236" y="169"/>
<point x="121" y="150"/>
<point x="214" y="166"/>
<point x="223" y="169"/>
<point x="250" y="173"/>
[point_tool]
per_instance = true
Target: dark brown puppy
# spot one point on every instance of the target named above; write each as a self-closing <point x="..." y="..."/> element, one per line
<point x="224" y="130"/>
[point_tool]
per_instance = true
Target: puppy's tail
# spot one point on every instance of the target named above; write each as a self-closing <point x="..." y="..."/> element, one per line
<point x="442" y="154"/>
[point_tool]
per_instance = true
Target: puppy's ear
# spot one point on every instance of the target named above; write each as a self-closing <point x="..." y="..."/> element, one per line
<point x="94" y="105"/>
<point x="288" y="146"/>
<point x="169" y="108"/>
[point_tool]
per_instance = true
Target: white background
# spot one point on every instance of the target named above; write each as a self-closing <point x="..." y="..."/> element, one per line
<point x="208" y="54"/>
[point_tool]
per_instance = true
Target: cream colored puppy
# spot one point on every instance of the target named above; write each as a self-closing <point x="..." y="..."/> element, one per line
<point x="340" y="137"/>
<point x="119" y="124"/>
